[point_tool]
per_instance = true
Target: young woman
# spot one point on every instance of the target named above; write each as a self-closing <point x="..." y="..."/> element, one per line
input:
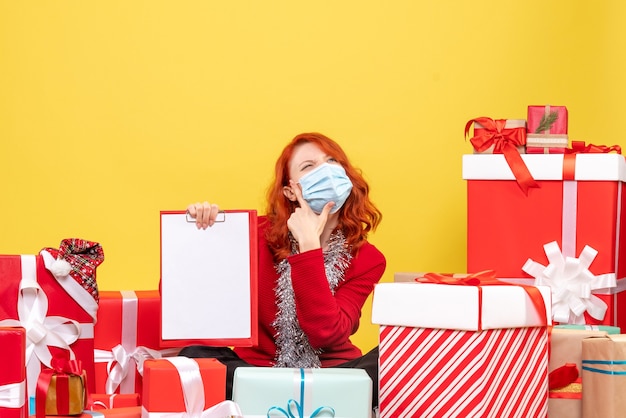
<point x="316" y="267"/>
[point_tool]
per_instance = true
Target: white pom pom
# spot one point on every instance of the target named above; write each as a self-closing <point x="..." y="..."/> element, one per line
<point x="60" y="268"/>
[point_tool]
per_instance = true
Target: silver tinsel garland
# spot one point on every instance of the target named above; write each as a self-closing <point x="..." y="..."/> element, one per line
<point x="293" y="347"/>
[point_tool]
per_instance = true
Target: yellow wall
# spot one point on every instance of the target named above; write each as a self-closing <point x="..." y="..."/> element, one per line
<point x="112" y="111"/>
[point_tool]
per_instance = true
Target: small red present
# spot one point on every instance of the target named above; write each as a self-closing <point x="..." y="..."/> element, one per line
<point x="116" y="400"/>
<point x="13" y="373"/>
<point x="53" y="295"/>
<point x="545" y="150"/>
<point x="126" y="334"/>
<point x="61" y="390"/>
<point x="168" y="382"/>
<point x="547" y="120"/>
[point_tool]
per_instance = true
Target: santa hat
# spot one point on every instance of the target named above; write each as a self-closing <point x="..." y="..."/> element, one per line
<point x="79" y="259"/>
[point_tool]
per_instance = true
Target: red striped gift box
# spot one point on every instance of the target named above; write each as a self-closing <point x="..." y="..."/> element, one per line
<point x="461" y="351"/>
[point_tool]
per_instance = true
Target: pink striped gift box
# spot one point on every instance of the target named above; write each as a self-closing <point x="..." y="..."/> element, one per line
<point x="461" y="351"/>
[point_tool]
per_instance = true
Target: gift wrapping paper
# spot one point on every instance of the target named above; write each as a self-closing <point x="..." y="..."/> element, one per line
<point x="604" y="376"/>
<point x="537" y="113"/>
<point x="61" y="310"/>
<point x="578" y="206"/>
<point x="126" y="334"/>
<point x="168" y="383"/>
<point x="462" y="350"/>
<point x="546" y="144"/>
<point x="13" y="402"/>
<point x="269" y="391"/>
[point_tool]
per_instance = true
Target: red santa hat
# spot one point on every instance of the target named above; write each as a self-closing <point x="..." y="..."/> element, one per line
<point x="78" y="258"/>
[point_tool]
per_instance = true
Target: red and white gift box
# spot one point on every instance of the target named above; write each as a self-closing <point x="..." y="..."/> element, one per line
<point x="13" y="373"/>
<point x="453" y="350"/>
<point x="58" y="314"/>
<point x="126" y="334"/>
<point x="570" y="227"/>
<point x="184" y="387"/>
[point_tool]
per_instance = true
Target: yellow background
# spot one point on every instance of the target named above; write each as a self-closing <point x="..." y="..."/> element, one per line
<point x="111" y="111"/>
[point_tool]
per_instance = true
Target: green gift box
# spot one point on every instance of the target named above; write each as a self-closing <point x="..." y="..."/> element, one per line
<point x="322" y="392"/>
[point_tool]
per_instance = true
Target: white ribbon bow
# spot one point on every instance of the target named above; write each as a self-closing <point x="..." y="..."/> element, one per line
<point x="193" y="394"/>
<point x="571" y="284"/>
<point x="121" y="364"/>
<point x="13" y="395"/>
<point x="41" y="331"/>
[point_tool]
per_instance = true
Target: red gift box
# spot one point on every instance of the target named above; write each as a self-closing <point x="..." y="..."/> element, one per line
<point x="13" y="373"/>
<point x="462" y="350"/>
<point x="578" y="206"/>
<point x="126" y="412"/>
<point x="127" y="333"/>
<point x="537" y="114"/>
<point x="545" y="150"/>
<point x="168" y="382"/>
<point x="58" y="314"/>
<point x="116" y="400"/>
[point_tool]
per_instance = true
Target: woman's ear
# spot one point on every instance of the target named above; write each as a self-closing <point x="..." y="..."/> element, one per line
<point x="289" y="194"/>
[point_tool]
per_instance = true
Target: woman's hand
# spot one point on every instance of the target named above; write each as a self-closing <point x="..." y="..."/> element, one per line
<point x="204" y="214"/>
<point x="305" y="225"/>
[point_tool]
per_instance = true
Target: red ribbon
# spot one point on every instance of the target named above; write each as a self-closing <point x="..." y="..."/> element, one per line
<point x="62" y="368"/>
<point x="579" y="147"/>
<point x="487" y="278"/>
<point x="505" y="141"/>
<point x="562" y="376"/>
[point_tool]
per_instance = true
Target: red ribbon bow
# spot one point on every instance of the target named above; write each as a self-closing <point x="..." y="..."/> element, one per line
<point x="486" y="278"/>
<point x="505" y="141"/>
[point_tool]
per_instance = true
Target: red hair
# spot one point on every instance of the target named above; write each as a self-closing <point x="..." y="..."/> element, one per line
<point x="357" y="217"/>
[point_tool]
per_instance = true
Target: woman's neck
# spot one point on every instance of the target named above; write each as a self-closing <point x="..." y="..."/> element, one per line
<point x="331" y="224"/>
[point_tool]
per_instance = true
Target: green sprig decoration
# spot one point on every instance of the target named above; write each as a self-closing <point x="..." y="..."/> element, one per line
<point x="547" y="121"/>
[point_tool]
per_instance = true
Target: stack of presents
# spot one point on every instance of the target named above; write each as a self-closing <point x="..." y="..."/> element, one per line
<point x="532" y="329"/>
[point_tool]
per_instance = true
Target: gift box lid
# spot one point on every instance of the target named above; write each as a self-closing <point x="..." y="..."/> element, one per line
<point x="468" y="308"/>
<point x="609" y="329"/>
<point x="592" y="166"/>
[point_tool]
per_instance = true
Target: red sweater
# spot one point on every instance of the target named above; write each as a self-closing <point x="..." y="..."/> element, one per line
<point x="328" y="320"/>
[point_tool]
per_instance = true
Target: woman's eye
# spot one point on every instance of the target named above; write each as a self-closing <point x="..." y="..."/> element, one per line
<point x="331" y="160"/>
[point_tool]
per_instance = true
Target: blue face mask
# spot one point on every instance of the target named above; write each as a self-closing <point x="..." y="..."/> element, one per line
<point x="326" y="183"/>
